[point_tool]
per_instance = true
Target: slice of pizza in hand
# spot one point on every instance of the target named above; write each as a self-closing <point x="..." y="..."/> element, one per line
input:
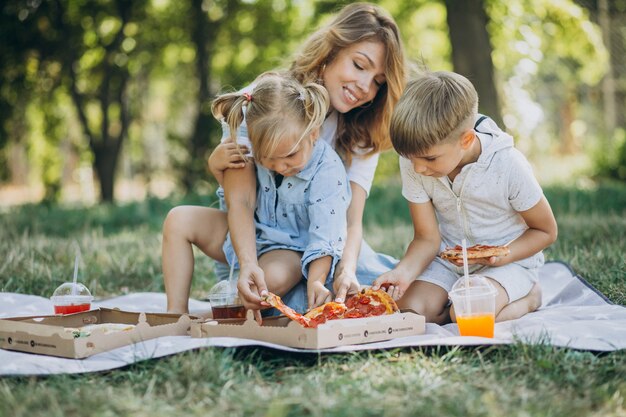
<point x="474" y="252"/>
<point x="277" y="303"/>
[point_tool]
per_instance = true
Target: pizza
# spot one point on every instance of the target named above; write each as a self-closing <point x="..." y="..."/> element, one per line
<point x="107" y="328"/>
<point x="474" y="252"/>
<point x="367" y="303"/>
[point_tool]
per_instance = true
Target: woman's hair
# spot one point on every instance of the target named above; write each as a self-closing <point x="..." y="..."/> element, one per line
<point x="277" y="107"/>
<point x="435" y="108"/>
<point x="362" y="127"/>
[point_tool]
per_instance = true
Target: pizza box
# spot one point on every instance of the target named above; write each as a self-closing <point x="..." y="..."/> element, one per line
<point x="46" y="335"/>
<point x="283" y="331"/>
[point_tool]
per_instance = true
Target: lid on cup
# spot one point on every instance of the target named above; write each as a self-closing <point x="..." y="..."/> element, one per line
<point x="66" y="294"/>
<point x="476" y="283"/>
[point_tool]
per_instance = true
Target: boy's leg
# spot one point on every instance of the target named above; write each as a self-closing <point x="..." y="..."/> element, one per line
<point x="183" y="227"/>
<point x="521" y="307"/>
<point x="518" y="290"/>
<point x="282" y="269"/>
<point x="428" y="299"/>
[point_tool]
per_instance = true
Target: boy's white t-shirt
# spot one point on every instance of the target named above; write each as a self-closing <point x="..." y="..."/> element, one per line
<point x="482" y="203"/>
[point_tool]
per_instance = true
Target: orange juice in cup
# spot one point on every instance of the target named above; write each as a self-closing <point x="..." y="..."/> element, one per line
<point x="474" y="306"/>
<point x="71" y="298"/>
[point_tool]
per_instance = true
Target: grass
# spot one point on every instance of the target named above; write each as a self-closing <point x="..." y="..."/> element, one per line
<point x="121" y="253"/>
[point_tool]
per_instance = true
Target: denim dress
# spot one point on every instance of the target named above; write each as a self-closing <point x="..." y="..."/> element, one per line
<point x="370" y="264"/>
<point x="306" y="213"/>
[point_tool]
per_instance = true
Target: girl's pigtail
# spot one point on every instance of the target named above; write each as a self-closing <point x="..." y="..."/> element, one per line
<point x="316" y="102"/>
<point x="229" y="108"/>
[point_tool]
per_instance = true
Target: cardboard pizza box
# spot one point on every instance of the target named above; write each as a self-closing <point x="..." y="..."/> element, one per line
<point x="283" y="331"/>
<point x="47" y="335"/>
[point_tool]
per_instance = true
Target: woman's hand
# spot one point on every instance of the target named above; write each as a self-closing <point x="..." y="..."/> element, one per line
<point x="317" y="294"/>
<point x="345" y="283"/>
<point x="225" y="156"/>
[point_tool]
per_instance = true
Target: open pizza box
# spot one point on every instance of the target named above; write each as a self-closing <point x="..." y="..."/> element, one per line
<point x="283" y="331"/>
<point x="63" y="335"/>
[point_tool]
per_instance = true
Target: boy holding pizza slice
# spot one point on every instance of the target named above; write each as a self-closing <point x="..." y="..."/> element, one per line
<point x="464" y="180"/>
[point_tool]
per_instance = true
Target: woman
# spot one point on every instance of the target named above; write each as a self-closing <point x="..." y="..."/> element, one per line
<point x="359" y="58"/>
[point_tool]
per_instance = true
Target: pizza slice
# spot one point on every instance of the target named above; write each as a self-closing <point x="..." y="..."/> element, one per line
<point x="474" y="252"/>
<point x="276" y="302"/>
<point x="328" y="311"/>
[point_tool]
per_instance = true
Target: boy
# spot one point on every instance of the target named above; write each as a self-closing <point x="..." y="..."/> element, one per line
<point x="464" y="180"/>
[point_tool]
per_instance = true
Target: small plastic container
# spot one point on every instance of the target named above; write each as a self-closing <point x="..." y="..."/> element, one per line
<point x="474" y="307"/>
<point x="225" y="302"/>
<point x="68" y="300"/>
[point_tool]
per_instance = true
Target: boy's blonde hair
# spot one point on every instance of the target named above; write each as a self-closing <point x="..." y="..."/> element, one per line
<point x="277" y="106"/>
<point x="435" y="107"/>
<point x="363" y="127"/>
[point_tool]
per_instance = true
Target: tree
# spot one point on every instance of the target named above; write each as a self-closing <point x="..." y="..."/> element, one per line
<point x="471" y="51"/>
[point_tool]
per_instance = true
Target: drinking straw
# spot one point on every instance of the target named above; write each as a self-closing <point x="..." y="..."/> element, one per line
<point x="232" y="287"/>
<point x="76" y="259"/>
<point x="466" y="274"/>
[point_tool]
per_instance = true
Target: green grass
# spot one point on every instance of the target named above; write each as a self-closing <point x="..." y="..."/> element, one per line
<point x="121" y="253"/>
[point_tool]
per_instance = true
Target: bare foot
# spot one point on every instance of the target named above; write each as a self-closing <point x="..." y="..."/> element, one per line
<point x="523" y="306"/>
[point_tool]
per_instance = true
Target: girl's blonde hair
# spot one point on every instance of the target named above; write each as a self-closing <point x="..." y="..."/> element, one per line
<point x="277" y="106"/>
<point x="362" y="127"/>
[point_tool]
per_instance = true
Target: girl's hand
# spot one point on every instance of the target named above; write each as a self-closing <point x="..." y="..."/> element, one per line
<point x="393" y="283"/>
<point x="225" y="156"/>
<point x="317" y="294"/>
<point x="252" y="287"/>
<point x="345" y="283"/>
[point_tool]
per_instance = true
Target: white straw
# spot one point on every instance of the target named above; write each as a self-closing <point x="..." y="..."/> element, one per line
<point x="466" y="273"/>
<point x="76" y="259"/>
<point x="230" y="276"/>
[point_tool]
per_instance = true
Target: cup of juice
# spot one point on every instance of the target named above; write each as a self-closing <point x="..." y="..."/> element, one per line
<point x="474" y="306"/>
<point x="225" y="302"/>
<point x="71" y="298"/>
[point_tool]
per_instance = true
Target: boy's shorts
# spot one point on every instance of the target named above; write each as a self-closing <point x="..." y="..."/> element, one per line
<point x="514" y="278"/>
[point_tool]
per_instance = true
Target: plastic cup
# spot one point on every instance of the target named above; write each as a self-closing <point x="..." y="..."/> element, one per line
<point x="68" y="300"/>
<point x="225" y="304"/>
<point x="475" y="306"/>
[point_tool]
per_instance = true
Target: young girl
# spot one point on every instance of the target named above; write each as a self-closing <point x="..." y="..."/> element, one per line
<point x="302" y="195"/>
<point x="359" y="58"/>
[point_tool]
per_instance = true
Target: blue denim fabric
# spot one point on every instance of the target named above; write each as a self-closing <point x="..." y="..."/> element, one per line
<point x="307" y="213"/>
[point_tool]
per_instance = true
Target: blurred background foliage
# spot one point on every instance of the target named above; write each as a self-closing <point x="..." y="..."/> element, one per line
<point x="110" y="99"/>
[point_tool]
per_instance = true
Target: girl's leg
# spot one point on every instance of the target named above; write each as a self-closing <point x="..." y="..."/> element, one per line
<point x="185" y="226"/>
<point x="427" y="299"/>
<point x="282" y="269"/>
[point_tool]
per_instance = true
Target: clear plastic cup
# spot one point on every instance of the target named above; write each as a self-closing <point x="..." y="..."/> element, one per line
<point x="66" y="300"/>
<point x="475" y="306"/>
<point x="225" y="303"/>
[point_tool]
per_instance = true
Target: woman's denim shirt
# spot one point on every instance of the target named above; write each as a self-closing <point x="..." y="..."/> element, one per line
<point x="307" y="213"/>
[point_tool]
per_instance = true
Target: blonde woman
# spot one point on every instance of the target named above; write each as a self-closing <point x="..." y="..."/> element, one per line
<point x="358" y="57"/>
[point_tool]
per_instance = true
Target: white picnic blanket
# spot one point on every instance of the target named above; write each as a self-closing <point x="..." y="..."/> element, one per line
<point x="573" y="315"/>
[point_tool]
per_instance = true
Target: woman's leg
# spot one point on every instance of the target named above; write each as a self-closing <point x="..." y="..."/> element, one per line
<point x="185" y="226"/>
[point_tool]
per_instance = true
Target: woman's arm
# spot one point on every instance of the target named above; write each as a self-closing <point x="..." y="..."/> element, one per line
<point x="345" y="275"/>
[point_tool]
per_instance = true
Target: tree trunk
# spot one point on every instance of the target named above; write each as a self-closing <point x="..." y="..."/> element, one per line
<point x="203" y="33"/>
<point x="471" y="51"/>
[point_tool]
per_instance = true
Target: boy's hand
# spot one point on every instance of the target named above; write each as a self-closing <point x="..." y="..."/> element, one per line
<point x="317" y="294"/>
<point x="393" y="283"/>
<point x="491" y="261"/>
<point x="345" y="283"/>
